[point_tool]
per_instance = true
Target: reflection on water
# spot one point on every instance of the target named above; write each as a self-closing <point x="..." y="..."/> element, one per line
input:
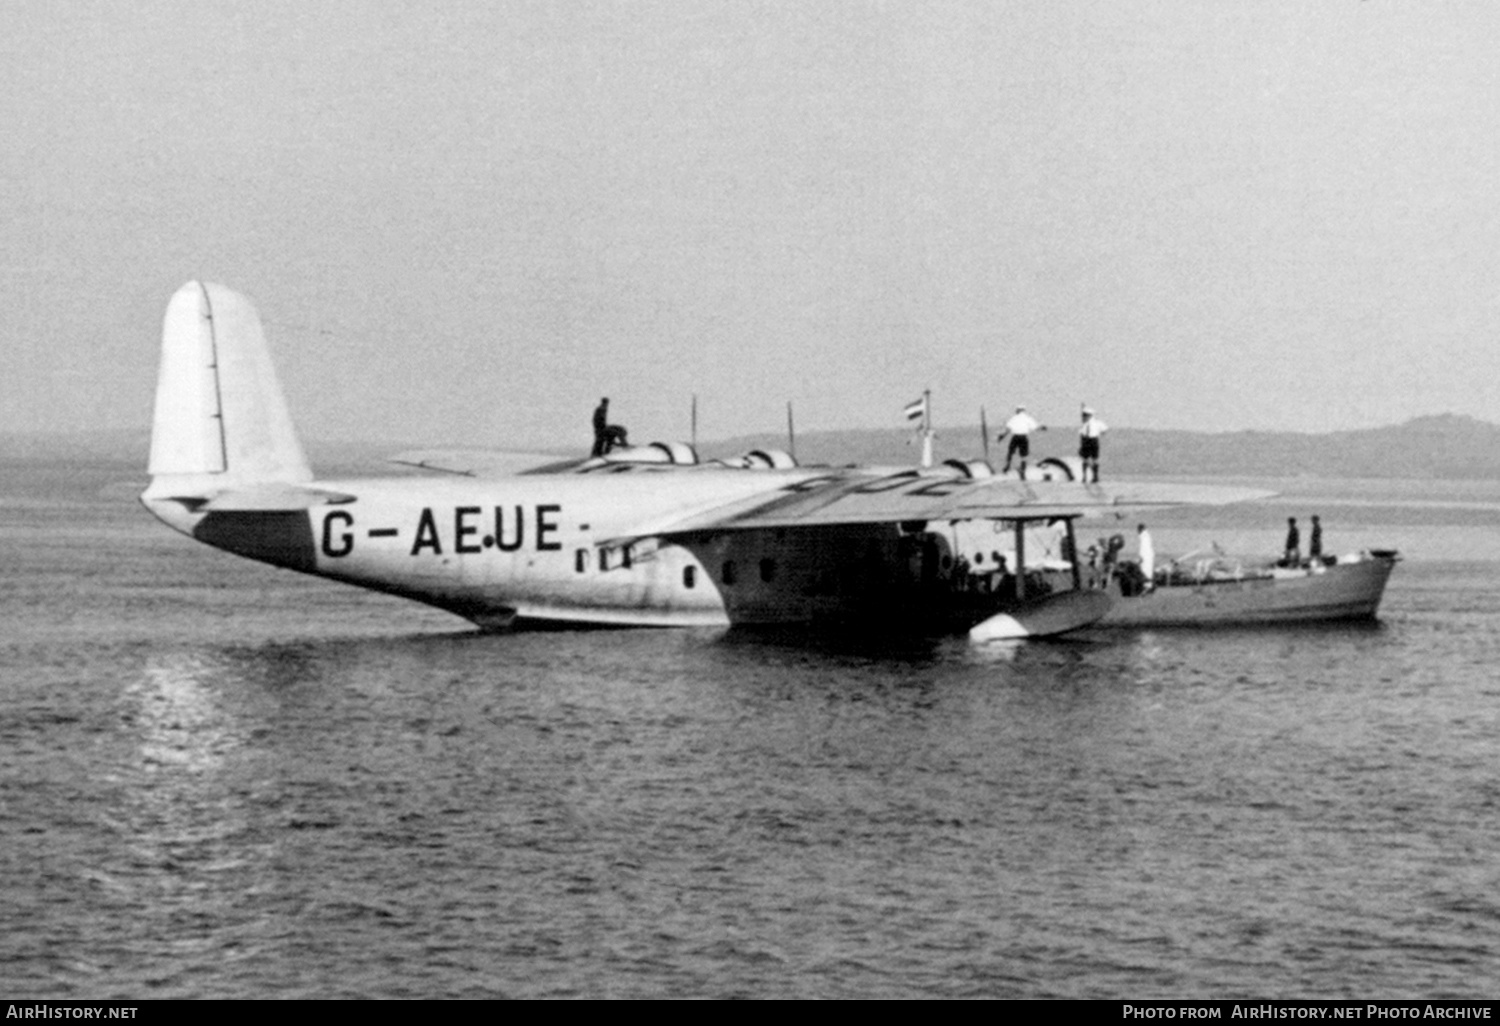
<point x="992" y="653"/>
<point x="185" y="734"/>
<point x="190" y="843"/>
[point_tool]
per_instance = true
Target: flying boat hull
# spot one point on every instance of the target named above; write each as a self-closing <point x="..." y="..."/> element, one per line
<point x="643" y="537"/>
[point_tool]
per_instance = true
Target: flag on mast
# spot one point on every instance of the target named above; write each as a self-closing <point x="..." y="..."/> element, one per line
<point x="921" y="410"/>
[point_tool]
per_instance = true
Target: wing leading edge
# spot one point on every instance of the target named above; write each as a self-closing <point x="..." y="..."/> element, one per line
<point x="860" y="497"/>
<point x="484" y="463"/>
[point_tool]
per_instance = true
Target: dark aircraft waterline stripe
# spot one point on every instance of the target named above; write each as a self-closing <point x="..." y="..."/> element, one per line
<point x="281" y="538"/>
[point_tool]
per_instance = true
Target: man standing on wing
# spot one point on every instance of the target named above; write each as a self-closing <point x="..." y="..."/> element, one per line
<point x="1088" y="444"/>
<point x="1019" y="428"/>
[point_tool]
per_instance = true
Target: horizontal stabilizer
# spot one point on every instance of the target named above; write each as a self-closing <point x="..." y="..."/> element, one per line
<point x="273" y="498"/>
<point x="264" y="498"/>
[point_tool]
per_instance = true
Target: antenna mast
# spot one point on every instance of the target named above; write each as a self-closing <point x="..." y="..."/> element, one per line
<point x="927" y="427"/>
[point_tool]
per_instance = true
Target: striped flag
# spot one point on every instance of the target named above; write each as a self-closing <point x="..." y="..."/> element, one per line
<point x="916" y="410"/>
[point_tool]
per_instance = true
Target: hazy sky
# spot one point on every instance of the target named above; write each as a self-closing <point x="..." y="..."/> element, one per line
<point x="465" y="222"/>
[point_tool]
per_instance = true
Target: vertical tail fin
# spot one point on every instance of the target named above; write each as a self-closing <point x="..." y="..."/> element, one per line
<point x="221" y="421"/>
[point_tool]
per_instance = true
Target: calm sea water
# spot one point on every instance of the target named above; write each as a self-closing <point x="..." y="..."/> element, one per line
<point x="223" y="780"/>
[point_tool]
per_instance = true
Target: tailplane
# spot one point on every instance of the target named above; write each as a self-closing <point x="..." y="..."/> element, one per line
<point x="221" y="423"/>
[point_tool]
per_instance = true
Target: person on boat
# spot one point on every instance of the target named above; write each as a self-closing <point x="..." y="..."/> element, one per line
<point x="1088" y="444"/>
<point x="1147" y="552"/>
<point x="1019" y="429"/>
<point x="1111" y="549"/>
<point x="963" y="574"/>
<point x="1293" y="554"/>
<point x="1315" y="541"/>
<point x="996" y="577"/>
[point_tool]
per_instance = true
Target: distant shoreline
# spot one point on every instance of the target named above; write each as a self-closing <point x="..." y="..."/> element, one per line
<point x="1438" y="448"/>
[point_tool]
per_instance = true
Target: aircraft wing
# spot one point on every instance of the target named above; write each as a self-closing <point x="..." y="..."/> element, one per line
<point x="854" y="497"/>
<point x="484" y="463"/>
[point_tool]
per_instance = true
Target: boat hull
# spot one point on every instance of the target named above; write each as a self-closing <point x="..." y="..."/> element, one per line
<point x="1344" y="591"/>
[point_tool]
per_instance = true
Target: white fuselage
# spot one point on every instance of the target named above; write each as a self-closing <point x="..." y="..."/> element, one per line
<point x="559" y="547"/>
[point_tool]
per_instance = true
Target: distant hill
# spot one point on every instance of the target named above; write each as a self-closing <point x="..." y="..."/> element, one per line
<point x="1446" y="446"/>
<point x="1437" y="447"/>
<point x="129" y="451"/>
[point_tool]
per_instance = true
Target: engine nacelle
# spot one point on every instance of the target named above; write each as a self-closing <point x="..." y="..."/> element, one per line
<point x="768" y="459"/>
<point x="972" y="469"/>
<point x="1057" y="468"/>
<point x="678" y="453"/>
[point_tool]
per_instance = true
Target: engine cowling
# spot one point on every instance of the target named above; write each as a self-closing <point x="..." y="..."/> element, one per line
<point x="767" y="459"/>
<point x="677" y="453"/>
<point x="972" y="469"/>
<point x="1059" y="468"/>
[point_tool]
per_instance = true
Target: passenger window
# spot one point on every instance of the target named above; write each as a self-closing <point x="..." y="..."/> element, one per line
<point x="727" y="575"/>
<point x="689" y="577"/>
<point x="767" y="570"/>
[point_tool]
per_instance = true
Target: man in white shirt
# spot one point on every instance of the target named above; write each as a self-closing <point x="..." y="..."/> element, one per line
<point x="1088" y="444"/>
<point x="1019" y="428"/>
<point x="1147" y="550"/>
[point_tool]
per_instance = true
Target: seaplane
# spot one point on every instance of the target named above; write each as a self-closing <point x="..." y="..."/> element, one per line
<point x="644" y="536"/>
